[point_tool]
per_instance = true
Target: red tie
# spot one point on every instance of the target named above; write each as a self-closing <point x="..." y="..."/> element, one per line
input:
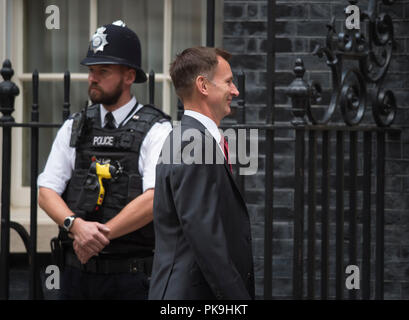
<point x="225" y="147"/>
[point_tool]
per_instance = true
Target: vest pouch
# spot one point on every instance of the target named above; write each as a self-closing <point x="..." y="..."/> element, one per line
<point x="88" y="197"/>
<point x="126" y="140"/>
<point x="74" y="188"/>
<point x="134" y="186"/>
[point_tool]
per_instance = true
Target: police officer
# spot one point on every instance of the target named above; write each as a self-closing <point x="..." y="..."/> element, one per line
<point x="98" y="182"/>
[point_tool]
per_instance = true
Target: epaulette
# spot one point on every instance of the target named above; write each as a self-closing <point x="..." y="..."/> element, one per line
<point x="155" y="111"/>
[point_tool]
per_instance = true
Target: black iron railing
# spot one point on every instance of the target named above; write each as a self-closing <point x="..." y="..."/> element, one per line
<point x="372" y="55"/>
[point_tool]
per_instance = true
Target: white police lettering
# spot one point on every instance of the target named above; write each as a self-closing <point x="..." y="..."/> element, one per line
<point x="103" y="141"/>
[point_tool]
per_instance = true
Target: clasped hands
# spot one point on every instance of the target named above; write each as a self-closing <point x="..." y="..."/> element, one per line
<point x="89" y="238"/>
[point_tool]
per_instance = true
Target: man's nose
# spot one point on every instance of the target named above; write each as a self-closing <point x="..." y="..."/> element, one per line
<point x="234" y="91"/>
<point x="92" y="78"/>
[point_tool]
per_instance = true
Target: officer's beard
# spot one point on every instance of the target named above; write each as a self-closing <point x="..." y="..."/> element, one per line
<point x="107" y="99"/>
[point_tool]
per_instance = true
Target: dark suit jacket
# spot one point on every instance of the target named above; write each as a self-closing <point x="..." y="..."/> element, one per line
<point x="202" y="228"/>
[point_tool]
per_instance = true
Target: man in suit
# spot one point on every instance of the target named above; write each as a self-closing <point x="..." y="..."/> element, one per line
<point x="203" y="244"/>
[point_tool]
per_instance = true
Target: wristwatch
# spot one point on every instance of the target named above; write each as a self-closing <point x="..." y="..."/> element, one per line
<point x="68" y="222"/>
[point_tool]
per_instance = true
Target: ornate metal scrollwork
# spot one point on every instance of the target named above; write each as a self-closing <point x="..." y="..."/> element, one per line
<point x="384" y="107"/>
<point x="372" y="54"/>
<point x="352" y="96"/>
<point x="376" y="63"/>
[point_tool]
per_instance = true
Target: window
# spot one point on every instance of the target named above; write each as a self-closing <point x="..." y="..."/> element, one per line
<point x="164" y="28"/>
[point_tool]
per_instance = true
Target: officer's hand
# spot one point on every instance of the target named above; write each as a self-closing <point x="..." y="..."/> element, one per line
<point x="91" y="236"/>
<point x="82" y="254"/>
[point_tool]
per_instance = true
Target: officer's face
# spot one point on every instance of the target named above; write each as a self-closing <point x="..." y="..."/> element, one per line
<point x="105" y="83"/>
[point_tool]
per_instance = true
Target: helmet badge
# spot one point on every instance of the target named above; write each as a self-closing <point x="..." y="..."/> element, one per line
<point x="99" y="40"/>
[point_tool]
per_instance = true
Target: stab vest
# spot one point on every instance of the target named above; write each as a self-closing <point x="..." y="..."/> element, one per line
<point x="120" y="148"/>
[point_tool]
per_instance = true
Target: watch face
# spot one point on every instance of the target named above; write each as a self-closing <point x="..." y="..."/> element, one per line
<point x="67" y="222"/>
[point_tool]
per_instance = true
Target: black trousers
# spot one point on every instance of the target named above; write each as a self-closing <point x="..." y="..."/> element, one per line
<point x="80" y="285"/>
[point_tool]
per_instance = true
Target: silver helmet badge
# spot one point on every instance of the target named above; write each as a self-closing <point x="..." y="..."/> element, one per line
<point x="99" y="40"/>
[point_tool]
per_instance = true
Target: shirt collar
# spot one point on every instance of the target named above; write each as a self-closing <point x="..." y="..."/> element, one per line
<point x="120" y="113"/>
<point x="208" y="123"/>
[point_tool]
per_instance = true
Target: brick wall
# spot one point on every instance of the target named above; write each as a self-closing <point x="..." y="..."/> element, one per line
<point x="299" y="26"/>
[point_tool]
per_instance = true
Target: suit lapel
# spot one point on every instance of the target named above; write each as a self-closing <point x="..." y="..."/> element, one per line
<point x="192" y="122"/>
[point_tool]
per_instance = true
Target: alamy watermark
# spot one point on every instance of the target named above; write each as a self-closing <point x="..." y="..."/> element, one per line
<point x="352" y="281"/>
<point x="52" y="282"/>
<point x="53" y="20"/>
<point x="242" y="143"/>
<point x="353" y="20"/>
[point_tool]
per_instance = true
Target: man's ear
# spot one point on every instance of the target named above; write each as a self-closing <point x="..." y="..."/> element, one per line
<point x="130" y="75"/>
<point x="201" y="85"/>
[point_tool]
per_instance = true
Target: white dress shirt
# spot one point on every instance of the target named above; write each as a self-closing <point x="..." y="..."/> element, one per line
<point x="61" y="161"/>
<point x="208" y="123"/>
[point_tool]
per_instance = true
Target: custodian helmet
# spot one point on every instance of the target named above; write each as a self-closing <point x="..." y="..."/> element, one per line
<point x="115" y="43"/>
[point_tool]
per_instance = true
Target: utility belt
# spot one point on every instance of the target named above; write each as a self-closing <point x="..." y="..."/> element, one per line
<point x="107" y="265"/>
